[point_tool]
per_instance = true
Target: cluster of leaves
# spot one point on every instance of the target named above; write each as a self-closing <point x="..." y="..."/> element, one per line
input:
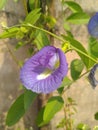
<point x="33" y="31"/>
<point x="19" y="107"/>
<point x="78" y="16"/>
<point x="69" y="111"/>
<point x="26" y="33"/>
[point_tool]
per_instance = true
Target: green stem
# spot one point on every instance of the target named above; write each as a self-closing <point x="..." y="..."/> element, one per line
<point x="25" y="6"/>
<point x="50" y="33"/>
<point x="11" y="53"/>
<point x="75" y="81"/>
<point x="65" y="112"/>
<point x="84" y="54"/>
<point x="59" y="38"/>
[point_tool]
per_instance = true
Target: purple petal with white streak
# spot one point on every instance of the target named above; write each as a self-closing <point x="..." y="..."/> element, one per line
<point x="32" y="73"/>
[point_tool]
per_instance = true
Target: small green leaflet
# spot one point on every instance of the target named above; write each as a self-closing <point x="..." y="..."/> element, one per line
<point x="33" y="16"/>
<point x="19" y="107"/>
<point x="29" y="97"/>
<point x="96" y="116"/>
<point x="53" y="105"/>
<point x="77" y="46"/>
<point x="78" y="18"/>
<point x="16" y="0"/>
<point x="19" y="44"/>
<point x="95" y="128"/>
<point x="65" y="83"/>
<point x="82" y="126"/>
<point x="76" y="68"/>
<point x="2" y="3"/>
<point x="75" y="7"/>
<point x="41" y="39"/>
<point x="34" y="4"/>
<point x="92" y="50"/>
<point x="40" y="121"/>
<point x="93" y="46"/>
<point x="66" y="26"/>
<point x="9" y="33"/>
<point x="16" y="111"/>
<point x="51" y="21"/>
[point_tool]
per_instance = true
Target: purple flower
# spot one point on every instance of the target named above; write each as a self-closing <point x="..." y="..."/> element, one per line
<point x="44" y="71"/>
<point x="93" y="25"/>
<point x="92" y="76"/>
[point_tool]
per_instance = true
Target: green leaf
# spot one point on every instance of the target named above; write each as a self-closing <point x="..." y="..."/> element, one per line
<point x="62" y="123"/>
<point x="95" y="128"/>
<point x="93" y="46"/>
<point x="16" y="0"/>
<point x="24" y="29"/>
<point x="16" y="111"/>
<point x="34" y="4"/>
<point x="40" y="121"/>
<point x="67" y="26"/>
<point x="19" y="44"/>
<point x="33" y="16"/>
<point x="79" y="49"/>
<point x="70" y="100"/>
<point x="66" y="82"/>
<point x="31" y="51"/>
<point x="31" y="4"/>
<point x="69" y="34"/>
<point x="50" y="20"/>
<point x="29" y="97"/>
<point x="41" y="39"/>
<point x="19" y="107"/>
<point x="19" y="35"/>
<point x="9" y="33"/>
<point x="74" y="6"/>
<point x="53" y="105"/>
<point x="92" y="50"/>
<point x="82" y="126"/>
<point x="2" y="3"/>
<point x="78" y="18"/>
<point x="76" y="68"/>
<point x="96" y="116"/>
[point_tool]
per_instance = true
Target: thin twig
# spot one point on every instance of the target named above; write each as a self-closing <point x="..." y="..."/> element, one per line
<point x="25" y="6"/>
<point x="12" y="55"/>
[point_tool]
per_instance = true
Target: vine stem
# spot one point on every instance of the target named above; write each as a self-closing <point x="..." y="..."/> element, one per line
<point x="25" y="6"/>
<point x="59" y="38"/>
<point x="84" y="54"/>
<point x="48" y="32"/>
<point x="11" y="53"/>
<point x="75" y="81"/>
<point x="65" y="112"/>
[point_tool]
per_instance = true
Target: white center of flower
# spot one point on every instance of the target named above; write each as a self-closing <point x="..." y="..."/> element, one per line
<point x="44" y="75"/>
<point x="53" y="63"/>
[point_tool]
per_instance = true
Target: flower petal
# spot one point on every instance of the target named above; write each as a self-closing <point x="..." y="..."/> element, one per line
<point x="92" y="79"/>
<point x="93" y="25"/>
<point x="35" y="67"/>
